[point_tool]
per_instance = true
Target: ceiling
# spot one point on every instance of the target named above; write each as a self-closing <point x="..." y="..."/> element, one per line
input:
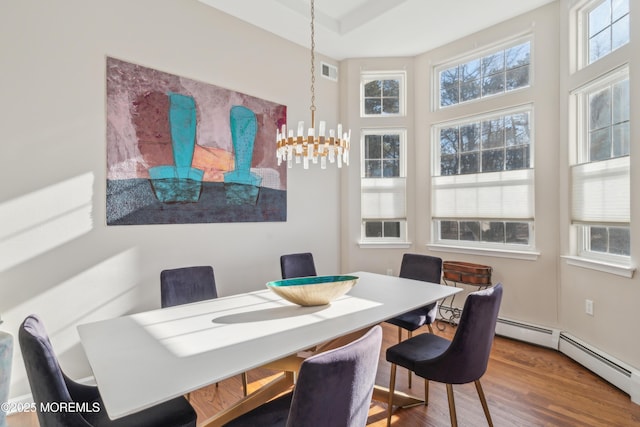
<point x="375" y="28"/>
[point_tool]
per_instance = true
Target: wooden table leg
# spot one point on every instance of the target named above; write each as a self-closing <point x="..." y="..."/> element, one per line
<point x="403" y="400"/>
<point x="252" y="401"/>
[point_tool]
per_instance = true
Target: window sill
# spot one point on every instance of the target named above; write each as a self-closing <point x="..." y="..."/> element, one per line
<point x="384" y="245"/>
<point x="501" y="253"/>
<point x="617" y="269"/>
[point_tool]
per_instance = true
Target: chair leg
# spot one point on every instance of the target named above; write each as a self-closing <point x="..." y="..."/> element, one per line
<point x="483" y="400"/>
<point x="245" y="384"/>
<point x="430" y="327"/>
<point x="452" y="406"/>
<point x="409" y="334"/>
<point x="399" y="334"/>
<point x="426" y="392"/>
<point x="392" y="387"/>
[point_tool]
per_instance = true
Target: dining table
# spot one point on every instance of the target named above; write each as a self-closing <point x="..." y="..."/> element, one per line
<point x="143" y="359"/>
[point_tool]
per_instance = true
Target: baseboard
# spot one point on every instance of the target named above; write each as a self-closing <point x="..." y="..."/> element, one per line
<point x="618" y="373"/>
<point x="533" y="334"/>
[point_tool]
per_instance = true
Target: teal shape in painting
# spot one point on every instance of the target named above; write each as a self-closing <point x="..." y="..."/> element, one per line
<point x="244" y="128"/>
<point x="179" y="182"/>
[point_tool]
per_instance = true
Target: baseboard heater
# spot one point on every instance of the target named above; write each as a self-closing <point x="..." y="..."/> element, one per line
<point x="605" y="366"/>
<point x="528" y="333"/>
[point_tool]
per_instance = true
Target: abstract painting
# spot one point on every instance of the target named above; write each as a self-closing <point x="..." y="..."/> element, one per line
<point x="183" y="151"/>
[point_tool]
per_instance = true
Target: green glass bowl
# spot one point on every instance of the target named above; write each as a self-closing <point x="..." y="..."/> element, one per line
<point x="313" y="290"/>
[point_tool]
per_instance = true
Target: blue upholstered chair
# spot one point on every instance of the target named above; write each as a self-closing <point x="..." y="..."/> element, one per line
<point x="49" y="384"/>
<point x="185" y="285"/>
<point x="459" y="361"/>
<point x="428" y="269"/>
<point x="334" y="389"/>
<point x="297" y="265"/>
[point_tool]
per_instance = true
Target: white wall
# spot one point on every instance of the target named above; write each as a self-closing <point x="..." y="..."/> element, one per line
<point x="545" y="291"/>
<point x="615" y="298"/>
<point x="57" y="257"/>
<point x="531" y="286"/>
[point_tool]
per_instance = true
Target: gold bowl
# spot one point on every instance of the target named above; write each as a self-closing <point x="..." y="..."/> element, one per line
<point x="313" y="290"/>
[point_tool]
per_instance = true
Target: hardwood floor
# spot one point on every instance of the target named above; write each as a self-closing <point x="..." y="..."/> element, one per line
<point x="525" y="385"/>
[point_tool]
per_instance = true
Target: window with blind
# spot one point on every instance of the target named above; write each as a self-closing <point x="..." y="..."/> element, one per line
<point x="483" y="180"/>
<point x="600" y="175"/>
<point x="383" y="185"/>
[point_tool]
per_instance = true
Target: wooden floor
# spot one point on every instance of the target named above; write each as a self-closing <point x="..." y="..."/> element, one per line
<point x="525" y="385"/>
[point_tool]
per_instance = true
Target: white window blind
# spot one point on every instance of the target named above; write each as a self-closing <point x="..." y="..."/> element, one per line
<point x="493" y="195"/>
<point x="383" y="198"/>
<point x="601" y="191"/>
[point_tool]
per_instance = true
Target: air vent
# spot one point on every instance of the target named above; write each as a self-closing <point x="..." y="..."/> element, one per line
<point x="329" y="71"/>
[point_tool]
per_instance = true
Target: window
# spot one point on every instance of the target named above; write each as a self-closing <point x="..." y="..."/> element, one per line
<point x="605" y="28"/>
<point x="383" y="185"/>
<point x="483" y="180"/>
<point x="600" y="175"/>
<point x="497" y="72"/>
<point x="382" y="94"/>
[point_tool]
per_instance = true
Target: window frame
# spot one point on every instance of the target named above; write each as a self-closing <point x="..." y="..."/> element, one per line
<point x="402" y="175"/>
<point x="579" y="157"/>
<point x="582" y="37"/>
<point x="515" y="247"/>
<point x="478" y="55"/>
<point x="528" y="249"/>
<point x="369" y="76"/>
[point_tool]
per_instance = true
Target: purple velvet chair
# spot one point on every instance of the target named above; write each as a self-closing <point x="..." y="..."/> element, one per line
<point x="49" y="384"/>
<point x="428" y="269"/>
<point x="190" y="284"/>
<point x="459" y="361"/>
<point x="187" y="284"/>
<point x="334" y="389"/>
<point x="297" y="265"/>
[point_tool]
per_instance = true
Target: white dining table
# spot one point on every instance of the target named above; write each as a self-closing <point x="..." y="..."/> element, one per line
<point x="143" y="359"/>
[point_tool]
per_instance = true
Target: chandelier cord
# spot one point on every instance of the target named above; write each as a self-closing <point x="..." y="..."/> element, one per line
<point x="313" y="146"/>
<point x="313" y="66"/>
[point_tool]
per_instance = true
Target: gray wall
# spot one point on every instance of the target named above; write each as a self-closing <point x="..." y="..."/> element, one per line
<point x="59" y="259"/>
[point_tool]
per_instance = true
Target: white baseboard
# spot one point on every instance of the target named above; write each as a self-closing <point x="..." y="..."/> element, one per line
<point x="615" y="371"/>
<point x="533" y="334"/>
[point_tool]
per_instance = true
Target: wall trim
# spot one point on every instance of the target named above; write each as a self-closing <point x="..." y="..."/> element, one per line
<point x="529" y="333"/>
<point x="615" y="371"/>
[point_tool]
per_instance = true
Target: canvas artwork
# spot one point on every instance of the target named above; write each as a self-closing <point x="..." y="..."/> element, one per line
<point x="183" y="151"/>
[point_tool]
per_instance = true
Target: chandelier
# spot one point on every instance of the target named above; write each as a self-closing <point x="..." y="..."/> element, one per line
<point x="313" y="146"/>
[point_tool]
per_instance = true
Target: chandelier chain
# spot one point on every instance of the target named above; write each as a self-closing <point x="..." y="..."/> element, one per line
<point x="313" y="146"/>
<point x="313" y="65"/>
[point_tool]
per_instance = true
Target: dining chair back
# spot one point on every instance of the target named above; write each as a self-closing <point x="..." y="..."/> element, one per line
<point x="334" y="389"/>
<point x="186" y="285"/>
<point x="427" y="269"/>
<point x="462" y="360"/>
<point x="50" y="386"/>
<point x="297" y="265"/>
